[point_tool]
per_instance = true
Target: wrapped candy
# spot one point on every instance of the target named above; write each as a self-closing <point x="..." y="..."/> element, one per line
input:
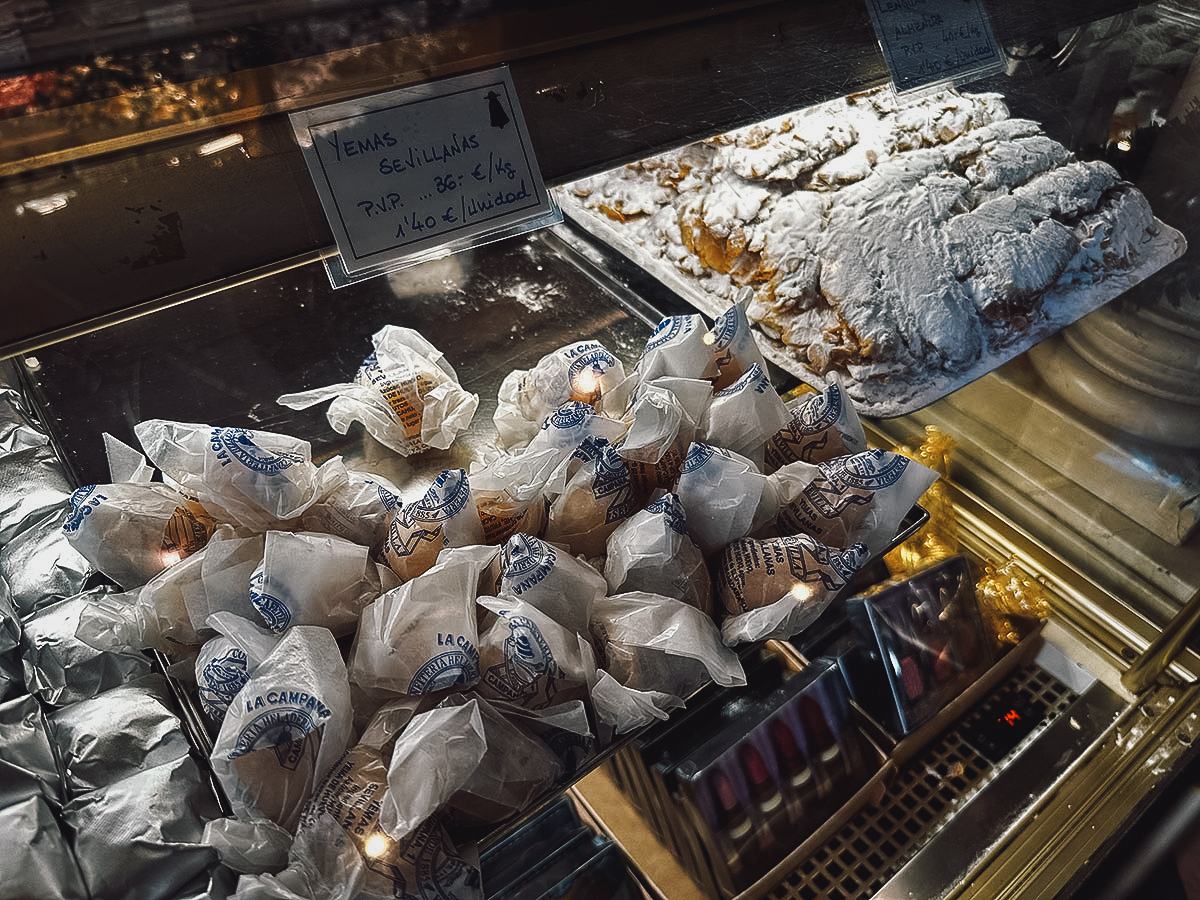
<point x="256" y="479"/>
<point x="422" y="636"/>
<point x="510" y="493"/>
<point x="315" y="579"/>
<point x="744" y="415"/>
<point x="131" y="532"/>
<point x="596" y="498"/>
<point x="661" y="427"/>
<point x="862" y="497"/>
<point x="528" y="659"/>
<point x="350" y="799"/>
<point x="651" y="551"/>
<point x="724" y="496"/>
<point x="225" y="662"/>
<point x="357" y="508"/>
<point x="821" y="426"/>
<point x="732" y="342"/>
<point x="777" y="588"/>
<point x="649" y="642"/>
<point x="570" y="424"/>
<point x="287" y="725"/>
<point x="514" y="770"/>
<point x="582" y="372"/>
<point x="549" y="578"/>
<point x="679" y="346"/>
<point x="447" y="516"/>
<point x="406" y="394"/>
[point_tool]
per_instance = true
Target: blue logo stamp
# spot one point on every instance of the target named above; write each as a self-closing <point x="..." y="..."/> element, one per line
<point x="454" y="667"/>
<point x="698" y="456"/>
<point x="273" y="610"/>
<point x="667" y="330"/>
<point x="526" y="560"/>
<point x="669" y="507"/>
<point x="82" y="503"/>
<point x="237" y="445"/>
<point x="220" y="680"/>
<point x="821" y="412"/>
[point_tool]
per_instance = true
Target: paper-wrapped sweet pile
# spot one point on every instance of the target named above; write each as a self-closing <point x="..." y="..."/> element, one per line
<point x="387" y="679"/>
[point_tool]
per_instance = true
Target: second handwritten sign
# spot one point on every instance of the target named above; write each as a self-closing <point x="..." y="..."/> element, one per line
<point x="439" y="165"/>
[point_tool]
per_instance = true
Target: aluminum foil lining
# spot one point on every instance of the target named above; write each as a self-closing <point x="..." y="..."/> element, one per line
<point x="140" y="838"/>
<point x="10" y="622"/>
<point x="40" y="567"/>
<point x="118" y="734"/>
<point x="27" y="764"/>
<point x="18" y="429"/>
<point x="37" y="860"/>
<point x="32" y="484"/>
<point x="61" y="669"/>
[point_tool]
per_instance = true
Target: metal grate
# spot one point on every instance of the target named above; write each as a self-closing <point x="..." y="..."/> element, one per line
<point x="877" y="842"/>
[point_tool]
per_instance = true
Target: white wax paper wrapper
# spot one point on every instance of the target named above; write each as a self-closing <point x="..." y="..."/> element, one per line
<point x="446" y="516"/>
<point x="131" y="532"/>
<point x="651" y="551"/>
<point x="225" y="662"/>
<point x="733" y="343"/>
<point x="250" y="846"/>
<point x="323" y="864"/>
<point x="626" y="708"/>
<point x="569" y="425"/>
<point x="212" y="580"/>
<point x="584" y="372"/>
<point x="594" y="501"/>
<point x="220" y="674"/>
<point x="724" y="496"/>
<point x="406" y="395"/>
<point x="862" y="497"/>
<point x="287" y="725"/>
<point x="126" y="464"/>
<point x="353" y="794"/>
<point x="527" y="658"/>
<point x="820" y="427"/>
<point x="315" y="579"/>
<point x="648" y="642"/>
<point x="551" y="579"/>
<point x="433" y="758"/>
<point x="422" y="636"/>
<point x="743" y="416"/>
<point x="252" y="478"/>
<point x="218" y="577"/>
<point x="514" y="771"/>
<point x="356" y="508"/>
<point x="777" y="588"/>
<point x="564" y="728"/>
<point x="510" y="493"/>
<point x="679" y="346"/>
<point x="660" y="431"/>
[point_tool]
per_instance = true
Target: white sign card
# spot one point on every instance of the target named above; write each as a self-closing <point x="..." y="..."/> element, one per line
<point x="421" y="172"/>
<point x="928" y="42"/>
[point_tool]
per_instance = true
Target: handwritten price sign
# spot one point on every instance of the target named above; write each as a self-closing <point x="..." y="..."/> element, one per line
<point x="413" y="171"/>
<point x="931" y="41"/>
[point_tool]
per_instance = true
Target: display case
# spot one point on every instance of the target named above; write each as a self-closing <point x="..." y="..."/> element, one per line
<point x="169" y="259"/>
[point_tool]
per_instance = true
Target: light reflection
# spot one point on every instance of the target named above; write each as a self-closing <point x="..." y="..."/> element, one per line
<point x="801" y="591"/>
<point x="169" y="558"/>
<point x="709" y="339"/>
<point x="226" y="143"/>
<point x="43" y="206"/>
<point x="1124" y="145"/>
<point x="376" y="845"/>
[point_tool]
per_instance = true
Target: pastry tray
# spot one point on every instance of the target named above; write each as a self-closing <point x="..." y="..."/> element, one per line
<point x="904" y="392"/>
